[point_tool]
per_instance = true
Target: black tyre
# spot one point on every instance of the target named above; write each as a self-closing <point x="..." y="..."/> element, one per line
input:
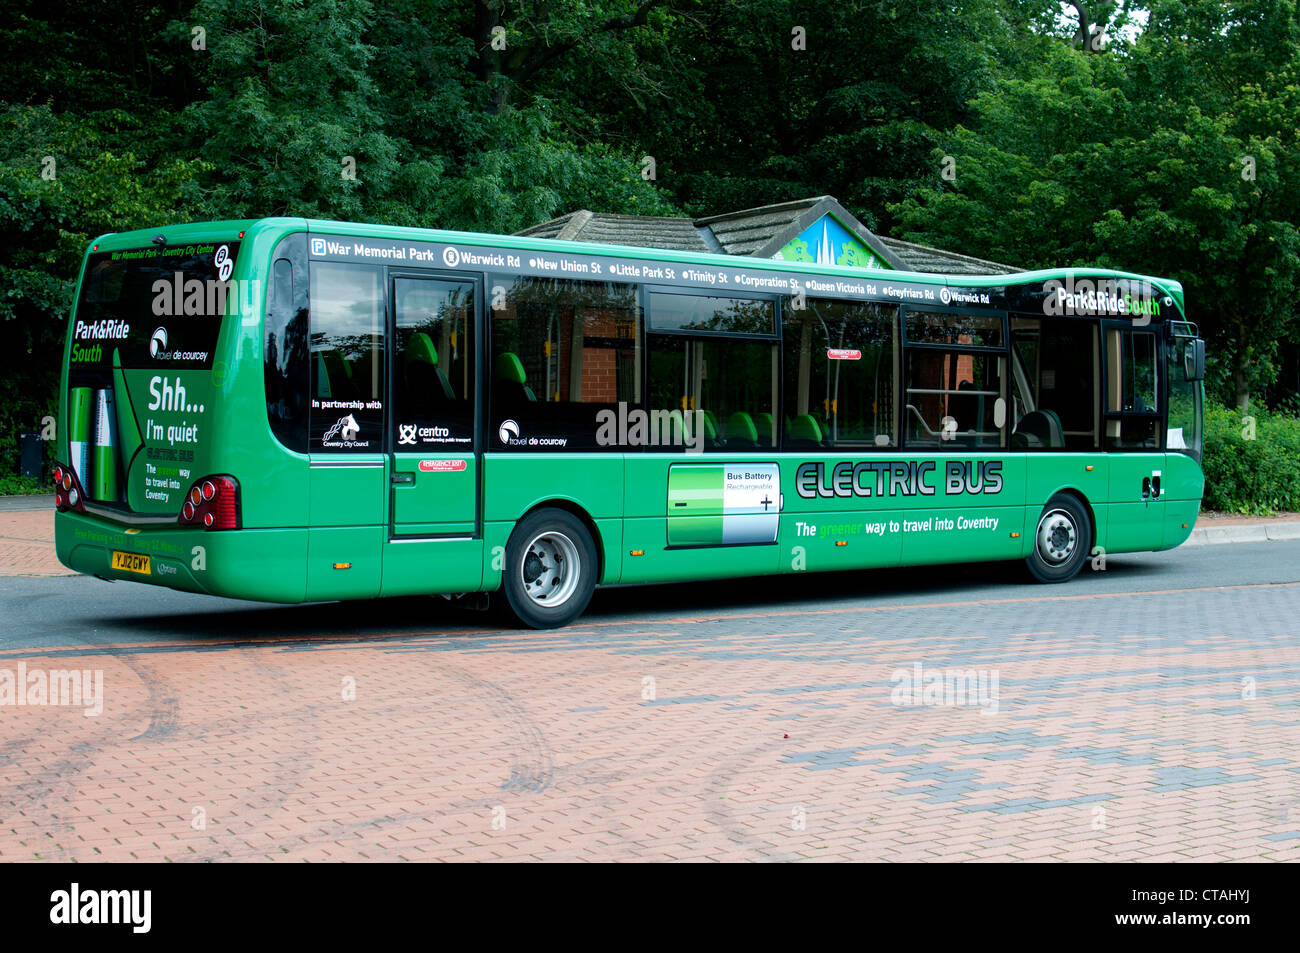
<point x="550" y="569"/>
<point x="1062" y="540"/>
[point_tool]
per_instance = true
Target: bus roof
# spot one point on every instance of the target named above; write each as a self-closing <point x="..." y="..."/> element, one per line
<point x="203" y="231"/>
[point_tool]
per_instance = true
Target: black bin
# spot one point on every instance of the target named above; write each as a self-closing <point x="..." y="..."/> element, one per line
<point x="30" y="458"/>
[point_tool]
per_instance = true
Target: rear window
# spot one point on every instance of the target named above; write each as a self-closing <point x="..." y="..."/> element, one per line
<point x="157" y="307"/>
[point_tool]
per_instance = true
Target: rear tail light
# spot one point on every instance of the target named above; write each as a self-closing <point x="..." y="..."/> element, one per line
<point x="213" y="503"/>
<point x="68" y="492"/>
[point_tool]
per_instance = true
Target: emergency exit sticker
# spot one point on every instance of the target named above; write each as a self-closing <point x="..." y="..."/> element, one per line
<point x="844" y="354"/>
<point x="441" y="466"/>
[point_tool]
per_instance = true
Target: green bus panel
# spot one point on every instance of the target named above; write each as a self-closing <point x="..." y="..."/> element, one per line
<point x="1181" y="487"/>
<point x="976" y="512"/>
<point x="348" y="490"/>
<point x="344" y="562"/>
<point x="1136" y="524"/>
<point x="348" y="512"/>
<point x="417" y="566"/>
<point x="439" y="494"/>
<point x="1183" y="479"/>
<point x="839" y="539"/>
<point x="515" y="483"/>
<point x="696" y="516"/>
<point x="659" y="563"/>
<point x="1085" y="474"/>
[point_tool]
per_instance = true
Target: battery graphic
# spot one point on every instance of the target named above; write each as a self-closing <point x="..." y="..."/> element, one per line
<point x="105" y="452"/>
<point x="730" y="504"/>
<point x="79" y="421"/>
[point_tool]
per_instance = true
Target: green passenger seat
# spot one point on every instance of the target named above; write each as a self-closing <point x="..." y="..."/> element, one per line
<point x="511" y="381"/>
<point x="804" y="431"/>
<point x="741" y="431"/>
<point x="423" y="375"/>
<point x="333" y="375"/>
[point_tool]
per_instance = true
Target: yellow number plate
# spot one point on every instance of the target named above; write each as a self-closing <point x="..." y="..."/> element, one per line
<point x="131" y="562"/>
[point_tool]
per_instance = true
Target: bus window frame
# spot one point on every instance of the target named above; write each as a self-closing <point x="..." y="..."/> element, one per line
<point x="1001" y="352"/>
<point x="647" y="333"/>
<point x="477" y="280"/>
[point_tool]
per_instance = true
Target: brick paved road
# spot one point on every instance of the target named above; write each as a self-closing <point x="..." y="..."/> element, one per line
<point x="1146" y="713"/>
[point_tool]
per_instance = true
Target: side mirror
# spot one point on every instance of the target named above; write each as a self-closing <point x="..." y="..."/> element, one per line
<point x="1194" y="359"/>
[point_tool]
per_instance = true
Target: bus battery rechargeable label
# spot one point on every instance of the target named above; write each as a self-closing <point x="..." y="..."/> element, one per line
<point x="726" y="504"/>
<point x="105" y="452"/>
<point x="79" y="422"/>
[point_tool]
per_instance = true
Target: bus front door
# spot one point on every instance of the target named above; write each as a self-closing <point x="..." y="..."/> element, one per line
<point x="1134" y="428"/>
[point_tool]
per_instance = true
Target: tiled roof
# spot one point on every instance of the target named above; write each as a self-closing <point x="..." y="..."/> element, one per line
<point x="756" y="232"/>
<point x="751" y="230"/>
<point x="938" y="261"/>
<point x="646" y="231"/>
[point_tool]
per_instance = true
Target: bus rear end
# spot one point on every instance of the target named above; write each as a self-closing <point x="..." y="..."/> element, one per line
<point x="145" y="481"/>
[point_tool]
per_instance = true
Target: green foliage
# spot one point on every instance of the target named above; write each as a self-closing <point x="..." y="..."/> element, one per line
<point x="65" y="179"/>
<point x="1177" y="156"/>
<point x="1255" y="471"/>
<point x="11" y="485"/>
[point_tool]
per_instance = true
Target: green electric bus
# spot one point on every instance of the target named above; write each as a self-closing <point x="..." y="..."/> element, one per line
<point x="291" y="410"/>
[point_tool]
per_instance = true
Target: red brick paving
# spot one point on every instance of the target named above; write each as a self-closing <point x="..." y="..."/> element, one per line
<point x="441" y="742"/>
<point x="522" y="746"/>
<point x="27" y="544"/>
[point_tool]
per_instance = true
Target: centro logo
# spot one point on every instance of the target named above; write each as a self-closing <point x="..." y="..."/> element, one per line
<point x="318" y="246"/>
<point x="451" y="257"/>
<point x="508" y="430"/>
<point x="158" y="343"/>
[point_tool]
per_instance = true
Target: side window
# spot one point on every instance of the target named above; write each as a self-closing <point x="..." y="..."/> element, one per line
<point x="565" y="362"/>
<point x="433" y="370"/>
<point x="1132" y="389"/>
<point x="707" y="391"/>
<point x="1054" y="383"/>
<point x="286" y="353"/>
<point x="347" y="358"/>
<point x="840" y="372"/>
<point x="1185" y="424"/>
<point x="954" y="392"/>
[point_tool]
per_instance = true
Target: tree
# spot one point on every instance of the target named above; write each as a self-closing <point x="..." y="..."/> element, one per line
<point x="1174" y="156"/>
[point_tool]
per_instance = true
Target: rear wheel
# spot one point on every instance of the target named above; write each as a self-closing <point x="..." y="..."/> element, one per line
<point x="550" y="569"/>
<point x="1061" y="540"/>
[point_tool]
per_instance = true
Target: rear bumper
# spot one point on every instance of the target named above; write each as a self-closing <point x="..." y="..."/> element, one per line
<point x="260" y="564"/>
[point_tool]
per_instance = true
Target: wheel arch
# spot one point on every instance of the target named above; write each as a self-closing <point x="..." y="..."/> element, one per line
<point x="578" y="511"/>
<point x="1083" y="500"/>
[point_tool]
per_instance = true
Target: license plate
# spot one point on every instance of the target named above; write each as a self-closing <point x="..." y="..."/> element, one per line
<point x="131" y="562"/>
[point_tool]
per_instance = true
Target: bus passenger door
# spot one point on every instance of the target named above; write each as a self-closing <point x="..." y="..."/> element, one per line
<point x="1133" y="381"/>
<point x="346" y="434"/>
<point x="435" y="538"/>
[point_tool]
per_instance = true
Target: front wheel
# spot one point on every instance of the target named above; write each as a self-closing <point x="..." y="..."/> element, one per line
<point x="1061" y="540"/>
<point x="550" y="569"/>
